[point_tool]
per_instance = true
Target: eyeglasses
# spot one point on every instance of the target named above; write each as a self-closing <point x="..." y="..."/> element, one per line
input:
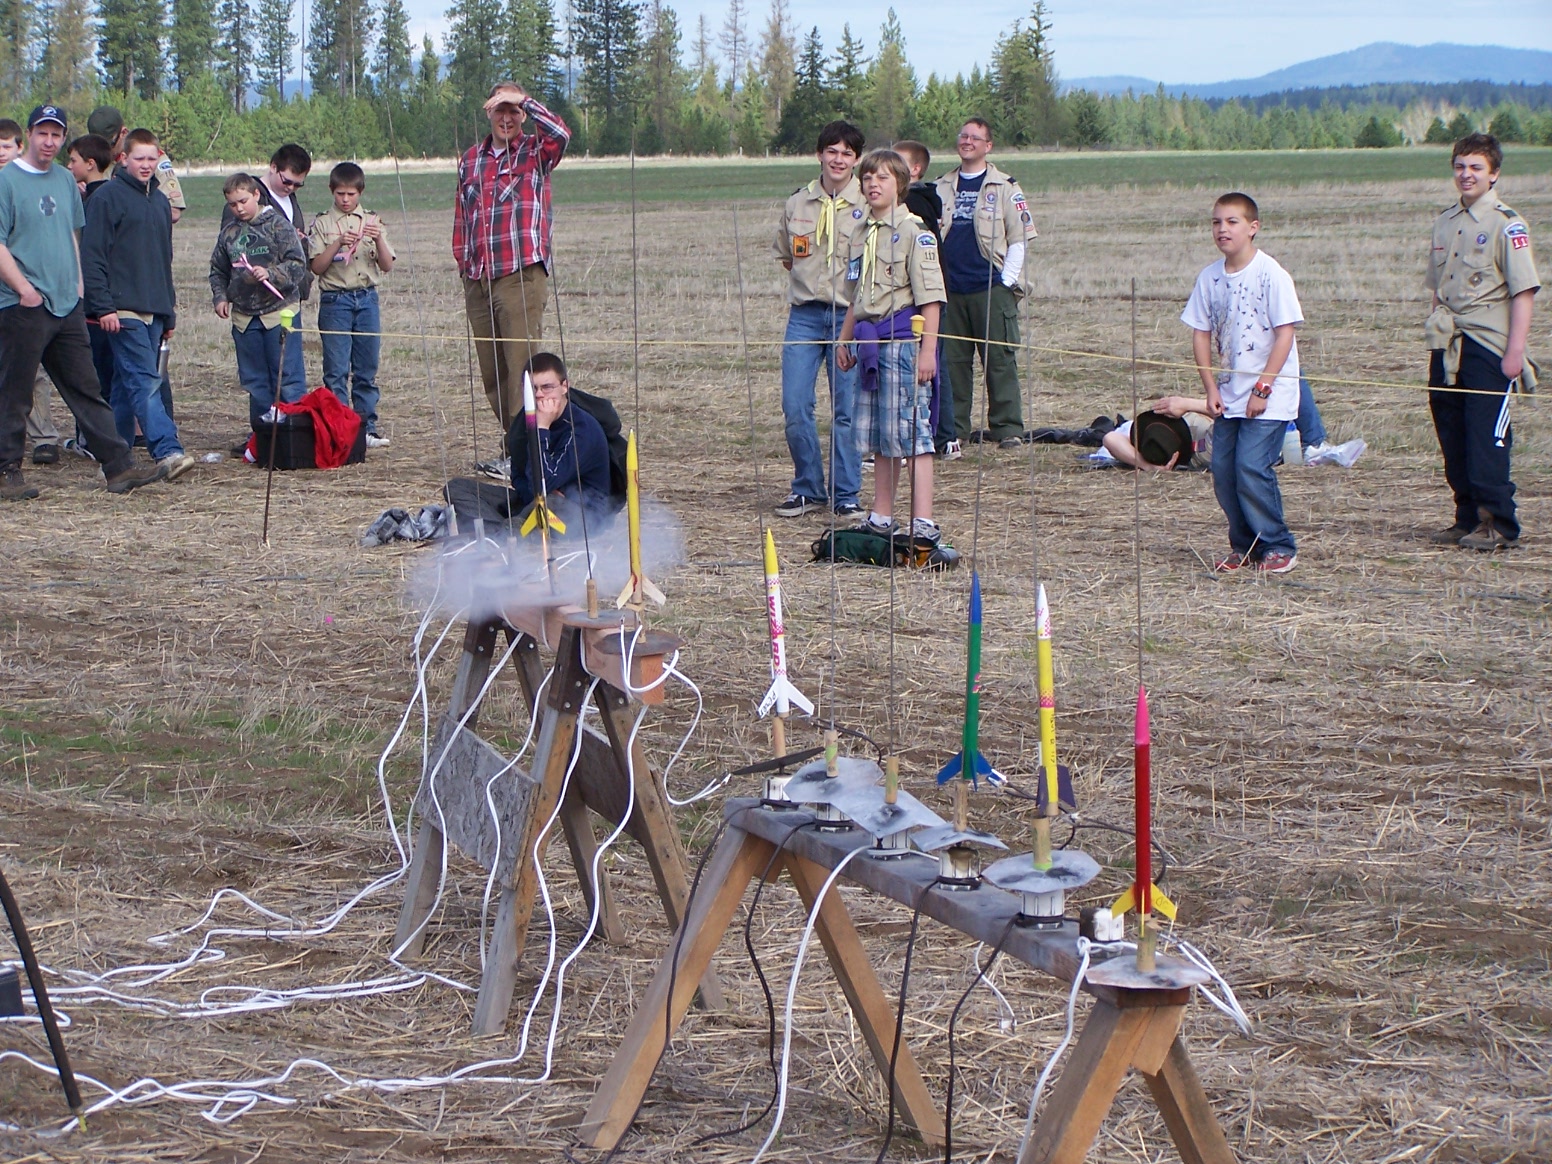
<point x="292" y="183"/>
<point x="972" y="137"/>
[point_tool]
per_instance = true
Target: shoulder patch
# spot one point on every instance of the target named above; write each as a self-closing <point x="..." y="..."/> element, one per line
<point x="1515" y="230"/>
<point x="925" y="239"/>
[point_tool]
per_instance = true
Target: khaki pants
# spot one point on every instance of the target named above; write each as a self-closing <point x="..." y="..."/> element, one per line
<point x="41" y="429"/>
<point x="510" y="309"/>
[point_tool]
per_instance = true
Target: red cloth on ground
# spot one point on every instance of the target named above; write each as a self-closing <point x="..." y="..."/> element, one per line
<point x="334" y="427"/>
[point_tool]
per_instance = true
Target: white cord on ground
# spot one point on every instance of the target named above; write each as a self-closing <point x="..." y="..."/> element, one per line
<point x="792" y="989"/>
<point x="1061" y="1048"/>
<point x="1228" y="1004"/>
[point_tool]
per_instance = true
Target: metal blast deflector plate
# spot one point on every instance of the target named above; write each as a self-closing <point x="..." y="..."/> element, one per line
<point x="1168" y="973"/>
<point x="811" y="784"/>
<point x="1069" y="870"/>
<point x="931" y="840"/>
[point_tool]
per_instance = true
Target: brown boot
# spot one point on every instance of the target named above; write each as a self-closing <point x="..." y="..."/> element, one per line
<point x="1487" y="538"/>
<point x="13" y="487"/>
<point x="134" y="476"/>
<point x="1448" y="537"/>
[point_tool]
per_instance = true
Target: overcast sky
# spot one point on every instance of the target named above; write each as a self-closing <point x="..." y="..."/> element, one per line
<point x="1163" y="40"/>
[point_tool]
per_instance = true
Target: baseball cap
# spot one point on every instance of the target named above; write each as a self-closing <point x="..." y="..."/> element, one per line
<point x="46" y="113"/>
<point x="105" y="121"/>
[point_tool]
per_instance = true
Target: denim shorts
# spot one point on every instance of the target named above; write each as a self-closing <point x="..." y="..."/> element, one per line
<point x="895" y="420"/>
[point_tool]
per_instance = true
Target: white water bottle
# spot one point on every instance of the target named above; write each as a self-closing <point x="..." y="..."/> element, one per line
<point x="1293" y="452"/>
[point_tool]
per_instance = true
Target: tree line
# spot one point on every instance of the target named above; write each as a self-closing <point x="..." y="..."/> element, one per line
<point x="211" y="76"/>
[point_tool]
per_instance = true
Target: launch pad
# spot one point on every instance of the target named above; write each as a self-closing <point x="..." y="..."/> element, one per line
<point x="1130" y="1026"/>
<point x="474" y="781"/>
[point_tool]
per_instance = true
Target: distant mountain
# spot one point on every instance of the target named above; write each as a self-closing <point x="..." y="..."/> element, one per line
<point x="1372" y="64"/>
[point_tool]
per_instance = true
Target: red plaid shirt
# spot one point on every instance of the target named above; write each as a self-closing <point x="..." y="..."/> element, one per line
<point x="502" y="221"/>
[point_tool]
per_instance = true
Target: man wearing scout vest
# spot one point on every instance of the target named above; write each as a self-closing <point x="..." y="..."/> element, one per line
<point x="1482" y="273"/>
<point x="814" y="242"/>
<point x="986" y="226"/>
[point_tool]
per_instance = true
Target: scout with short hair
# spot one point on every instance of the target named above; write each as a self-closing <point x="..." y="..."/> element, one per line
<point x="1482" y="273"/>
<point x="986" y="227"/>
<point x="349" y="247"/>
<point x="108" y="123"/>
<point x="895" y="268"/>
<point x="814" y="241"/>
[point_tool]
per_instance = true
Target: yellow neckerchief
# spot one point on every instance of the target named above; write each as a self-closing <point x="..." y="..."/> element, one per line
<point x="824" y="233"/>
<point x="870" y="247"/>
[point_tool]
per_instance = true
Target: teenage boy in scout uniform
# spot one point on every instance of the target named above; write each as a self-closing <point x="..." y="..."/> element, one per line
<point x="814" y="242"/>
<point x="349" y="248"/>
<point x="986" y="227"/>
<point x="1482" y="273"/>
<point x="894" y="266"/>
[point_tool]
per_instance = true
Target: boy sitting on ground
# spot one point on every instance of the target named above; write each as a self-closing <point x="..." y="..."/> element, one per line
<point x="895" y="267"/>
<point x="349" y="247"/>
<point x="1243" y="311"/>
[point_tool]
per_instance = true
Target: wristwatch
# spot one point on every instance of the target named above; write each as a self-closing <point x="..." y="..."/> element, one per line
<point x="1262" y="390"/>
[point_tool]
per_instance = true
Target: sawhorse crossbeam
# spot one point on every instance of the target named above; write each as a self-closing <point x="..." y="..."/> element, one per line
<point x="468" y="777"/>
<point x="1127" y="1028"/>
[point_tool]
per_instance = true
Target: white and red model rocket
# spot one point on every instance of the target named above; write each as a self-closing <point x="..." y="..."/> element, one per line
<point x="782" y="695"/>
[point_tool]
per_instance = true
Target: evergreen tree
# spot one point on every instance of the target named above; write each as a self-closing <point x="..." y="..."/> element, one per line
<point x="609" y="44"/>
<point x="191" y="40"/>
<point x="17" y="23"/>
<point x="65" y="74"/>
<point x="234" y="50"/>
<point x="530" y="49"/>
<point x="807" y="111"/>
<point x="1460" y="126"/>
<point x="1377" y="134"/>
<point x="848" y="80"/>
<point x="428" y="73"/>
<point x="1025" y="109"/>
<point x="1438" y="133"/>
<point x="338" y="35"/>
<point x="129" y="44"/>
<point x="273" y="42"/>
<point x="1087" y="117"/>
<point x="778" y="63"/>
<point x="891" y="83"/>
<point x="665" y="82"/>
<point x="391" y="66"/>
<point x="734" y="39"/>
<point x="474" y="43"/>
<point x="1506" y="126"/>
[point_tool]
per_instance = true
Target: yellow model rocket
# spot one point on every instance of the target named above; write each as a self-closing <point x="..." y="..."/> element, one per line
<point x="639" y="588"/>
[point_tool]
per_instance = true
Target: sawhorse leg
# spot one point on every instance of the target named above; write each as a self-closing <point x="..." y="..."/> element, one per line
<point x="739" y="859"/>
<point x="1127" y="1029"/>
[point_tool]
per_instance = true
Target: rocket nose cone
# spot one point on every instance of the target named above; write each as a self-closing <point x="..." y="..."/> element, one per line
<point x="975" y="596"/>
<point x="1142" y="725"/>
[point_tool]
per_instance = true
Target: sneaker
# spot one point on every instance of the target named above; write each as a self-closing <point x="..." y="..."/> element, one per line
<point x="1235" y="561"/>
<point x="952" y="451"/>
<point x="1276" y="563"/>
<point x="500" y="470"/>
<point x="848" y="509"/>
<point x="45" y="454"/>
<point x="1011" y="443"/>
<point x="78" y="448"/>
<point x="373" y="441"/>
<point x="1345" y="454"/>
<point x="175" y="465"/>
<point x="796" y="505"/>
<point x="867" y="461"/>
<point x="925" y="530"/>
<point x="1448" y="537"/>
<point x="868" y="525"/>
<point x="134" y="477"/>
<point x="13" y="487"/>
<point x="1486" y="539"/>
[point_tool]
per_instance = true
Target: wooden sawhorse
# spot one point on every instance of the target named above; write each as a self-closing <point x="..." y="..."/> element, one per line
<point x="585" y="648"/>
<point x="1125" y="1028"/>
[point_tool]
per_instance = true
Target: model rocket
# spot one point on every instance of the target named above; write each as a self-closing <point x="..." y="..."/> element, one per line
<point x="1047" y="683"/>
<point x="1143" y="895"/>
<point x="639" y="588"/>
<point x="539" y="515"/>
<point x="969" y="763"/>
<point x="782" y="694"/>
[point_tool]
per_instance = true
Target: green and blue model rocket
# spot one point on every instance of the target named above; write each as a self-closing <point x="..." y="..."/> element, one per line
<point x="969" y="763"/>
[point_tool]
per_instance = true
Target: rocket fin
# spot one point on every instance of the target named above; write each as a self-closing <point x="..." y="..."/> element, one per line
<point x="952" y="768"/>
<point x="530" y="523"/>
<point x="1163" y="904"/>
<point x="795" y="697"/>
<point x="656" y="595"/>
<point x="1127" y="901"/>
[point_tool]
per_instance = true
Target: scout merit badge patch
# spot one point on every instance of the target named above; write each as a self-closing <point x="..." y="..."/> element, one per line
<point x="800" y="246"/>
<point x="1518" y="236"/>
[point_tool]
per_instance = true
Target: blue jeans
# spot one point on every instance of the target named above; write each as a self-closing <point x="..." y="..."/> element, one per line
<point x="1243" y="454"/>
<point x="258" y="368"/>
<point x="1311" y="430"/>
<point x="352" y="358"/>
<point x="812" y="329"/>
<point x="137" y="387"/>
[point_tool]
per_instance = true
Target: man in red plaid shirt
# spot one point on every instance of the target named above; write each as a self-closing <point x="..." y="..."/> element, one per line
<point x="501" y="239"/>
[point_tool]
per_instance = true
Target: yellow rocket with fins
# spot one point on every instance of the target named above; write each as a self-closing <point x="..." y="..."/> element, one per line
<point x="639" y="588"/>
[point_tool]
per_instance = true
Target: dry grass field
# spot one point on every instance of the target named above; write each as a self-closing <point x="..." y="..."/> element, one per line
<point x="1352" y="760"/>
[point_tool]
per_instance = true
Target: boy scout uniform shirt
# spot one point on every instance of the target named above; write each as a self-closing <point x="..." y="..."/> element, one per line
<point x="1001" y="216"/>
<point x="167" y="181"/>
<point x="1481" y="259"/>
<point x="894" y="264"/>
<point x="360" y="270"/>
<point x="816" y="235"/>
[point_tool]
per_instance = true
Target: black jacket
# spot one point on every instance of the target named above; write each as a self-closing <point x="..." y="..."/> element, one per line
<point x="924" y="201"/>
<point x="126" y="249"/>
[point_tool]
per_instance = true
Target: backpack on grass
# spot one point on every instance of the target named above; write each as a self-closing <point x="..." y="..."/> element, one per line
<point x="865" y="548"/>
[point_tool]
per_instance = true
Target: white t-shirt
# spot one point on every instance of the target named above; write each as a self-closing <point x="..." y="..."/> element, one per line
<point x="1241" y="310"/>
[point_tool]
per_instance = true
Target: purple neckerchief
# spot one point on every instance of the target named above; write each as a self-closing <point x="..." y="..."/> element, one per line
<point x="867" y="333"/>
